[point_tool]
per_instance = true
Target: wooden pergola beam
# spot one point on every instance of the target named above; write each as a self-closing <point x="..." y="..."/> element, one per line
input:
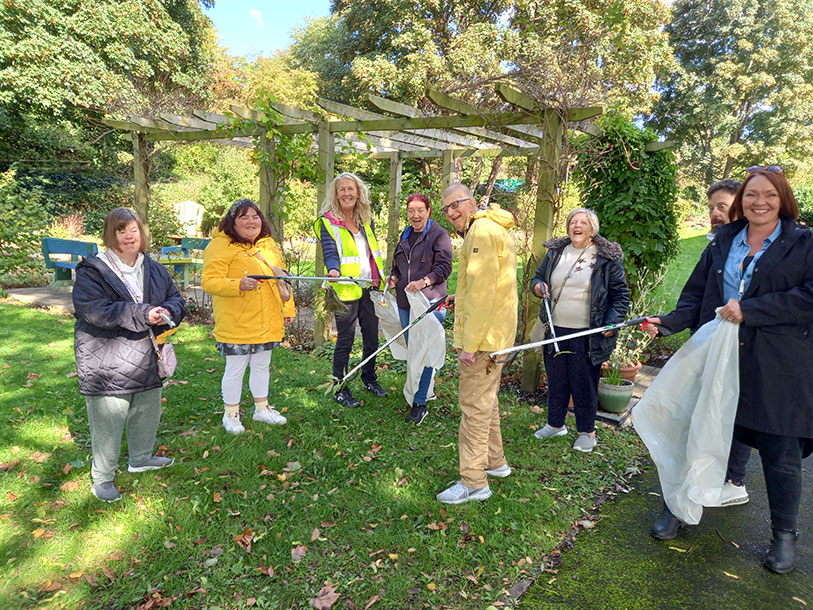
<point x="456" y="105"/>
<point x="191" y="122"/>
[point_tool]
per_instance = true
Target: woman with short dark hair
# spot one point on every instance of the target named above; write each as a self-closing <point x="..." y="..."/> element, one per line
<point x="421" y="262"/>
<point x="249" y="313"/>
<point x="758" y="271"/>
<point x="121" y="297"/>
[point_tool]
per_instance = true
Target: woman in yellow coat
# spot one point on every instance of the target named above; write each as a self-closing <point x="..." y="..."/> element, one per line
<point x="248" y="312"/>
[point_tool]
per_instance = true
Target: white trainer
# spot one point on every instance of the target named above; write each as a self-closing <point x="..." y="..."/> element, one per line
<point x="549" y="431"/>
<point x="459" y="493"/>
<point x="269" y="416"/>
<point x="501" y="472"/>
<point x="232" y="424"/>
<point x="584" y="443"/>
<point x="732" y="495"/>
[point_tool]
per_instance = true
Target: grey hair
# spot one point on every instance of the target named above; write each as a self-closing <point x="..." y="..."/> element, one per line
<point x="452" y="188"/>
<point x="592" y="218"/>
<point x="362" y="213"/>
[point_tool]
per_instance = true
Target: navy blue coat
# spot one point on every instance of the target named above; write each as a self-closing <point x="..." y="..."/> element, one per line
<point x="776" y="342"/>
<point x="114" y="354"/>
<point x="609" y="294"/>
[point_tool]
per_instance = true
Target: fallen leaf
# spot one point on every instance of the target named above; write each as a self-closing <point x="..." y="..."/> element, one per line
<point x="325" y="599"/>
<point x="734" y="576"/>
<point x="91" y="581"/>
<point x="76" y="575"/>
<point x="250" y="601"/>
<point x="298" y="553"/>
<point x="431" y="586"/>
<point x="371" y="601"/>
<point x="5" y="466"/>
<point x="109" y="574"/>
<point x="39" y="457"/>
<point x="216" y="497"/>
<point x="11" y="496"/>
<point x="33" y="375"/>
<point x="67" y="468"/>
<point x="436" y="526"/>
<point x="315" y="534"/>
<point x="169" y="544"/>
<point x="244" y="540"/>
<point x="199" y="540"/>
<point x="50" y="587"/>
<point x="69" y="486"/>
<point x="38" y="532"/>
<point x="267" y="570"/>
<point x="292" y="467"/>
<point x="116" y="556"/>
<point x="72" y="374"/>
<point x="801" y="601"/>
<point x="679" y="550"/>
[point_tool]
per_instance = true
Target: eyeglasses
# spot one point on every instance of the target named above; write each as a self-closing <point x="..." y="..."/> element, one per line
<point x="453" y="205"/>
<point x="774" y="169"/>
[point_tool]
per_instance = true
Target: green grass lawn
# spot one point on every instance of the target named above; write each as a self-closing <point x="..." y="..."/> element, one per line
<point x="339" y="500"/>
<point x="692" y="244"/>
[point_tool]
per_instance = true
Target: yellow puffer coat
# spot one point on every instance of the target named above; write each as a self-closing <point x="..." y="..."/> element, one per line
<point x="253" y="316"/>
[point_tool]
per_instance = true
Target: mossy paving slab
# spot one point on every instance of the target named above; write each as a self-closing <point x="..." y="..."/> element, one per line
<point x="618" y="565"/>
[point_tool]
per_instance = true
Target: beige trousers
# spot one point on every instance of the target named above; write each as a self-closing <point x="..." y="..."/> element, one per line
<point x="479" y="437"/>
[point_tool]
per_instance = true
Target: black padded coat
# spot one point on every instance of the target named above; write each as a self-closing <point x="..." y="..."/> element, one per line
<point x="609" y="295"/>
<point x="114" y="354"/>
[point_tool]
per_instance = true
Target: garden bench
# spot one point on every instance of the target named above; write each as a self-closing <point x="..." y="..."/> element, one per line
<point x="62" y="268"/>
<point x="181" y="259"/>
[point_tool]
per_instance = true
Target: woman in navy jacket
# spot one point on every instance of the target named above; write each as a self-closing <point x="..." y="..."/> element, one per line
<point x="117" y="297"/>
<point x="759" y="270"/>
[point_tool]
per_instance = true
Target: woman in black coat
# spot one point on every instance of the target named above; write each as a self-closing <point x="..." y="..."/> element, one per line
<point x="583" y="275"/>
<point x="118" y="297"/>
<point x="759" y="271"/>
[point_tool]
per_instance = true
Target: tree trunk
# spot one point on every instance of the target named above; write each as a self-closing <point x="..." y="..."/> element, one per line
<point x="475" y="178"/>
<point x="492" y="178"/>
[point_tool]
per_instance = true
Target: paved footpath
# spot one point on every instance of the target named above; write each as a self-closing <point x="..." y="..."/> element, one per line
<point x="716" y="564"/>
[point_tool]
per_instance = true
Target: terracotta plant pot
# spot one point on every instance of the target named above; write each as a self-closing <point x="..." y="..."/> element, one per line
<point x="615" y="398"/>
<point x="627" y="372"/>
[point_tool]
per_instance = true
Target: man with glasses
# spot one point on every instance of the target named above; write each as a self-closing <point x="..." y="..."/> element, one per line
<point x="485" y="321"/>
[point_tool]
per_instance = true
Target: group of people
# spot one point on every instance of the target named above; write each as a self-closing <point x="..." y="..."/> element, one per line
<point x="758" y="269"/>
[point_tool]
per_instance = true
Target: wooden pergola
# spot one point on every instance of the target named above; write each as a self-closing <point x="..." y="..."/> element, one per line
<point x="395" y="133"/>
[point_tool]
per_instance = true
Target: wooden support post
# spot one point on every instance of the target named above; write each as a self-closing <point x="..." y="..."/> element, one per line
<point x="141" y="177"/>
<point x="271" y="207"/>
<point x="546" y="196"/>
<point x="449" y="175"/>
<point x="394" y="216"/>
<point x="326" y="138"/>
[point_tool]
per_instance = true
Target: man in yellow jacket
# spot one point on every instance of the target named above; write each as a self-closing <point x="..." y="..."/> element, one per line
<point x="485" y="321"/>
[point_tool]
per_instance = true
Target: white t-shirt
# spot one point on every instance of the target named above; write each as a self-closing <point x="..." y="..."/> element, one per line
<point x="364" y="253"/>
<point x="572" y="309"/>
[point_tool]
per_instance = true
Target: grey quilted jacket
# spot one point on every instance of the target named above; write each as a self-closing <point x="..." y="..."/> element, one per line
<point x="114" y="354"/>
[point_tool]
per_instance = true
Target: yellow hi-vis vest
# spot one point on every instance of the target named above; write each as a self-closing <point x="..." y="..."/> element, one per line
<point x="350" y="257"/>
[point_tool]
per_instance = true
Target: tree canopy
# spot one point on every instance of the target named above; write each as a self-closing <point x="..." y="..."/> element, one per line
<point x="742" y="89"/>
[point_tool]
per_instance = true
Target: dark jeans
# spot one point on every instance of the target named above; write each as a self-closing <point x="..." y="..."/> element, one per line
<point x="782" y="465"/>
<point x="572" y="374"/>
<point x="738" y="457"/>
<point x="363" y="311"/>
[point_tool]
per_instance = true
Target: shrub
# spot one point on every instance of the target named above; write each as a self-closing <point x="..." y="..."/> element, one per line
<point x="804" y="196"/>
<point x="22" y="227"/>
<point x="633" y="192"/>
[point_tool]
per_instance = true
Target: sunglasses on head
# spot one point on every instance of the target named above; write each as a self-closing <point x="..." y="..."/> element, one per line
<point x="774" y="169"/>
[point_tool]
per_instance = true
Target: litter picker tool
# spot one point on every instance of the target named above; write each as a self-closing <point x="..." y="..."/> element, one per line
<point x="583" y="333"/>
<point x="336" y="385"/>
<point x="550" y="323"/>
<point x="316" y="278"/>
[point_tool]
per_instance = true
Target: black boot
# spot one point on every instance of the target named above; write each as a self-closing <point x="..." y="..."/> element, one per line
<point x="666" y="526"/>
<point x="781" y="557"/>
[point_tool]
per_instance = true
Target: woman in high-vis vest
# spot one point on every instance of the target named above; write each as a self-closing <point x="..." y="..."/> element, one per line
<point x="349" y="248"/>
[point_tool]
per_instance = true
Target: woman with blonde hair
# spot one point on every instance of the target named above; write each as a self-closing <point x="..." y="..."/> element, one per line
<point x="346" y="234"/>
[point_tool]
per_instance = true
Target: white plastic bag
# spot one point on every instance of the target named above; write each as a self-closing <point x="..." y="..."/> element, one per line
<point x="686" y="418"/>
<point x="427" y="345"/>
<point x="389" y="323"/>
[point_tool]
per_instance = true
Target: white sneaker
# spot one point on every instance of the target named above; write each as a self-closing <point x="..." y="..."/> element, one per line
<point x="269" y="416"/>
<point x="459" y="493"/>
<point x="501" y="472"/>
<point x="232" y="424"/>
<point x="732" y="495"/>
<point x="549" y="431"/>
<point x="584" y="443"/>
